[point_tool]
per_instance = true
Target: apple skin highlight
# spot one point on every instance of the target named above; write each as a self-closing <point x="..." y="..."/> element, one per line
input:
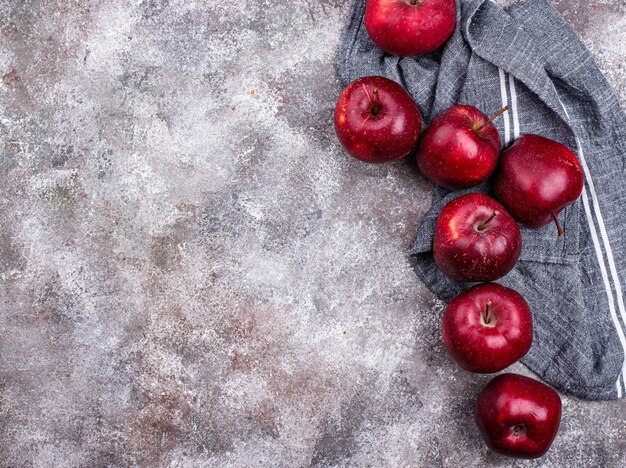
<point x="487" y="328"/>
<point x="377" y="120"/>
<point x="537" y="177"/>
<point x="518" y="416"/>
<point x="410" y="27"/>
<point x="476" y="240"/>
<point x="459" y="149"/>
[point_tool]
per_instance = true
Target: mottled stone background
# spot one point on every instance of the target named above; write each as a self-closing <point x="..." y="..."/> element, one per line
<point x="192" y="272"/>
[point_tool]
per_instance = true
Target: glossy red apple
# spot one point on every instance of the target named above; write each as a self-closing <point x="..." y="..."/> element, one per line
<point x="518" y="416"/>
<point x="377" y="120"/>
<point x="536" y="179"/>
<point x="487" y="328"/>
<point x="410" y="27"/>
<point x="476" y="239"/>
<point x="460" y="148"/>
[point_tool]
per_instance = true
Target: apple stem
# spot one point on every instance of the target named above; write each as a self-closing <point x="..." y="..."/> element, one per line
<point x="375" y="104"/>
<point x="482" y="226"/>
<point x="558" y="226"/>
<point x="487" y="316"/>
<point x="493" y="117"/>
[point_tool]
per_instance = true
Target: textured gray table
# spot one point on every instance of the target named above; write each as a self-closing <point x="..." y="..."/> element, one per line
<point x="192" y="273"/>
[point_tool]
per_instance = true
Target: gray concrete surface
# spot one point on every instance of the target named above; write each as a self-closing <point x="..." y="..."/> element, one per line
<point x="192" y="273"/>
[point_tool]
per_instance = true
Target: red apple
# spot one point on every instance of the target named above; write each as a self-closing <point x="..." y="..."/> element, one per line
<point x="536" y="179"/>
<point x="410" y="27"/>
<point x="487" y="328"/>
<point x="377" y="120"/>
<point x="518" y="416"/>
<point x="476" y="239"/>
<point x="460" y="148"/>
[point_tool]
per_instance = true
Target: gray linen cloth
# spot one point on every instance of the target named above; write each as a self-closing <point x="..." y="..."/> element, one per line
<point x="526" y="56"/>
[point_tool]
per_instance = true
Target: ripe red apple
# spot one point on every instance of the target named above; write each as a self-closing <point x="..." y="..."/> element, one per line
<point x="377" y="120"/>
<point x="410" y="27"/>
<point x="476" y="239"/>
<point x="487" y="328"/>
<point x="518" y="416"/>
<point x="460" y="148"/>
<point x="536" y="179"/>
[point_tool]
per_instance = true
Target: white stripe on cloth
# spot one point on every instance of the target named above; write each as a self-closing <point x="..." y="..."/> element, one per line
<point x="607" y="285"/>
<point x="605" y="239"/>
<point x="514" y="107"/>
<point x="607" y="247"/>
<point x="505" y="101"/>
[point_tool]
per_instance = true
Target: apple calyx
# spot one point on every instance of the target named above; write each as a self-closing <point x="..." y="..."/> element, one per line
<point x="482" y="226"/>
<point x="558" y="225"/>
<point x="416" y="2"/>
<point x="493" y="117"/>
<point x="519" y="430"/>
<point x="486" y="319"/>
